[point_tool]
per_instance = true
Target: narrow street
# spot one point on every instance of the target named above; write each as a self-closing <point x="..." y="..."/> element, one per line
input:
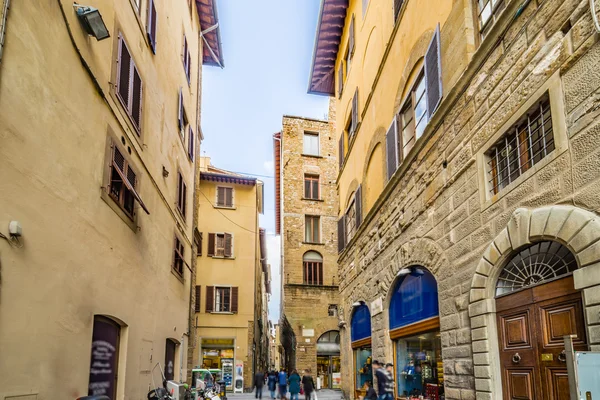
<point x="323" y="394"/>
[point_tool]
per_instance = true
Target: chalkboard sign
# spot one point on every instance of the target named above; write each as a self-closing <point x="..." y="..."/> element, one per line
<point x="105" y="353"/>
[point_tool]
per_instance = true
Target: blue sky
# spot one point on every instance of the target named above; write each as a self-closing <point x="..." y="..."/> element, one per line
<point x="267" y="47"/>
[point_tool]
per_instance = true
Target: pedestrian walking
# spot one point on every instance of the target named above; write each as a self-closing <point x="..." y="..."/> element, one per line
<point x="385" y="382"/>
<point x="282" y="380"/>
<point x="294" y="381"/>
<point x="259" y="381"/>
<point x="308" y="384"/>
<point x="272" y="383"/>
<point x="371" y="394"/>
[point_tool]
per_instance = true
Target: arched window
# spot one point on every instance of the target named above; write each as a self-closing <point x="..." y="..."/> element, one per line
<point x="536" y="264"/>
<point x="313" y="268"/>
<point x="361" y="323"/>
<point x="330" y="337"/>
<point x="415" y="297"/>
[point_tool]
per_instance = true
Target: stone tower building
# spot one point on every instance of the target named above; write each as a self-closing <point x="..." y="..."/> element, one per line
<point x="306" y="170"/>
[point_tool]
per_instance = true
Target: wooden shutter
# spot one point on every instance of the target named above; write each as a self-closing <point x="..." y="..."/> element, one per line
<point x="358" y="205"/>
<point x="180" y="111"/>
<point x="210" y="299"/>
<point x="391" y="149"/>
<point x="228" y="197"/>
<point x="124" y="71"/>
<point x="183" y="197"/>
<point x="151" y="25"/>
<point x="197" y="299"/>
<point x="351" y="39"/>
<point x="341" y="151"/>
<point x="354" y="123"/>
<point x="341" y="234"/>
<point x="191" y="144"/>
<point x="136" y="99"/>
<point x="228" y="245"/>
<point x="211" y="245"/>
<point x="433" y="73"/>
<point x="234" y="299"/>
<point x="341" y="79"/>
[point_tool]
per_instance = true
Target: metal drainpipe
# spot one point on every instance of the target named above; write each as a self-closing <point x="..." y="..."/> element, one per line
<point x="5" y="6"/>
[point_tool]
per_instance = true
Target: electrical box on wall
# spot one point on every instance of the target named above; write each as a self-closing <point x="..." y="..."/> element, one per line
<point x="14" y="228"/>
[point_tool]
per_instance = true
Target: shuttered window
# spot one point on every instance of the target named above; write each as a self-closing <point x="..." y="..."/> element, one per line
<point x="129" y="85"/>
<point x="151" y="25"/>
<point x="123" y="182"/>
<point x="220" y="245"/>
<point x="187" y="59"/>
<point x="191" y="144"/>
<point x="350" y="221"/>
<point x="412" y="118"/>
<point x="197" y="299"/>
<point x="354" y="122"/>
<point x="311" y="186"/>
<point x="222" y="299"/>
<point x="391" y="142"/>
<point x="341" y="234"/>
<point x="352" y="36"/>
<point x="358" y="205"/>
<point x="340" y="79"/>
<point x="181" y="194"/>
<point x="312" y="228"/>
<point x="487" y="13"/>
<point x="178" y="256"/>
<point x="209" y="304"/>
<point x="224" y="196"/>
<point x="341" y="151"/>
<point x="433" y="75"/>
<point x="199" y="243"/>
<point x="182" y="119"/>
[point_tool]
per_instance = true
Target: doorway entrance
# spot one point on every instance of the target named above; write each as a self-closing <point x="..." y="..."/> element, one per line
<point x="532" y="317"/>
<point x="328" y="361"/>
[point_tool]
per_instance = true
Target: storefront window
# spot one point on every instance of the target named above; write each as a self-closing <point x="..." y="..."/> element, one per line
<point x="364" y="369"/>
<point x="419" y="369"/>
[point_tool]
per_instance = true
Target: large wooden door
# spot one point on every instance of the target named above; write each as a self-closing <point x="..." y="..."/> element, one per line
<point x="531" y="326"/>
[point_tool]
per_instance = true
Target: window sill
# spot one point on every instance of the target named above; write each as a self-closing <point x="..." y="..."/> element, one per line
<point x="222" y="257"/>
<point x="309" y="199"/>
<point x="131" y="223"/>
<point x="177" y="275"/>
<point x="222" y="312"/>
<point x="314" y="243"/>
<point x="225" y="207"/>
<point x="183" y="219"/>
<point x="311" y="155"/>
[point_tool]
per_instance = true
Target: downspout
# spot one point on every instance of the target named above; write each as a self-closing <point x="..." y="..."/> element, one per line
<point x="4" y="16"/>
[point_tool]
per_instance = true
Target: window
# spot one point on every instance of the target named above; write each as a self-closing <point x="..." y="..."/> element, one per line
<point x="198" y="238"/>
<point x="332" y="311"/>
<point x="524" y="145"/>
<point x="191" y="144"/>
<point x="178" y="257"/>
<point x="151" y="25"/>
<point x="312" y="225"/>
<point x="129" y="85"/>
<point x="350" y="221"/>
<point x="311" y="187"/>
<point x="187" y="60"/>
<point x="413" y="117"/>
<point x="311" y="144"/>
<point x="105" y="357"/>
<point x="220" y="245"/>
<point x="222" y="299"/>
<point x="347" y="60"/>
<point x="181" y="194"/>
<point x="137" y="4"/>
<point x="224" y="196"/>
<point x="170" y="349"/>
<point x="488" y="12"/>
<point x="313" y="268"/>
<point x="340" y="79"/>
<point x="123" y="182"/>
<point x="182" y="119"/>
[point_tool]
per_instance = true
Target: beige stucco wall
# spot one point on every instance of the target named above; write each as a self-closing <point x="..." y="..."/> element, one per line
<point x="79" y="258"/>
<point x="240" y="270"/>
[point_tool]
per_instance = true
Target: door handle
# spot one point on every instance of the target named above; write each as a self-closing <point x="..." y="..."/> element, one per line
<point x="516" y="358"/>
<point x="562" y="356"/>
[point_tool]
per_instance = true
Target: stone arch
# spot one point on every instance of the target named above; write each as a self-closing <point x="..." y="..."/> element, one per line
<point x="575" y="228"/>
<point x="416" y="55"/>
<point x="371" y="57"/>
<point x="350" y="191"/>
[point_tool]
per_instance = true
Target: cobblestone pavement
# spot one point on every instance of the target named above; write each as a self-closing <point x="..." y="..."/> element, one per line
<point x="323" y="394"/>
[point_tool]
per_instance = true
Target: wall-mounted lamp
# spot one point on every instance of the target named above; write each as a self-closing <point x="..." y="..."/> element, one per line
<point x="92" y="21"/>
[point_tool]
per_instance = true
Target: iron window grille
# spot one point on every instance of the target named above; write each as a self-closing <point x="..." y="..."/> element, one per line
<point x="487" y="14"/>
<point x="313" y="273"/>
<point x="536" y="264"/>
<point x="523" y="146"/>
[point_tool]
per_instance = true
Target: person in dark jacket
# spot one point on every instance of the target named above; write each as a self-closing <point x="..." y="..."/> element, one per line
<point x="294" y="381"/>
<point x="385" y="381"/>
<point x="371" y="394"/>
<point x="308" y="384"/>
<point x="272" y="383"/>
<point x="259" y="381"/>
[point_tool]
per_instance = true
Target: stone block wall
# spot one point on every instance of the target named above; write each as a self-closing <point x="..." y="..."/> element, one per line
<point x="437" y="212"/>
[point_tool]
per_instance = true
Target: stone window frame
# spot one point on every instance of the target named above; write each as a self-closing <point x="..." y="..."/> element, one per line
<point x="553" y="87"/>
<point x="575" y="228"/>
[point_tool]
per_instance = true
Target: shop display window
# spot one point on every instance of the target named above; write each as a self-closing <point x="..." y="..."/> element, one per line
<point x="419" y="368"/>
<point x="364" y="367"/>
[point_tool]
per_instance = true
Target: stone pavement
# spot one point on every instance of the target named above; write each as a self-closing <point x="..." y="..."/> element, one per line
<point x="323" y="394"/>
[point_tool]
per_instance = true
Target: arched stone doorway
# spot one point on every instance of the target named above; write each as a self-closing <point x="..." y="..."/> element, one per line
<point x="328" y="360"/>
<point x="518" y="321"/>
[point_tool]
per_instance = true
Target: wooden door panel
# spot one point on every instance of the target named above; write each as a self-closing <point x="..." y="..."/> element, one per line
<point x="519" y="383"/>
<point x="516" y="331"/>
<point x="560" y="318"/>
<point x="557" y="381"/>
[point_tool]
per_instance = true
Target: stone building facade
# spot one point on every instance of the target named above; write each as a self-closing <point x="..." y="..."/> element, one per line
<point x="447" y="208"/>
<point x="308" y="207"/>
<point x="99" y="169"/>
